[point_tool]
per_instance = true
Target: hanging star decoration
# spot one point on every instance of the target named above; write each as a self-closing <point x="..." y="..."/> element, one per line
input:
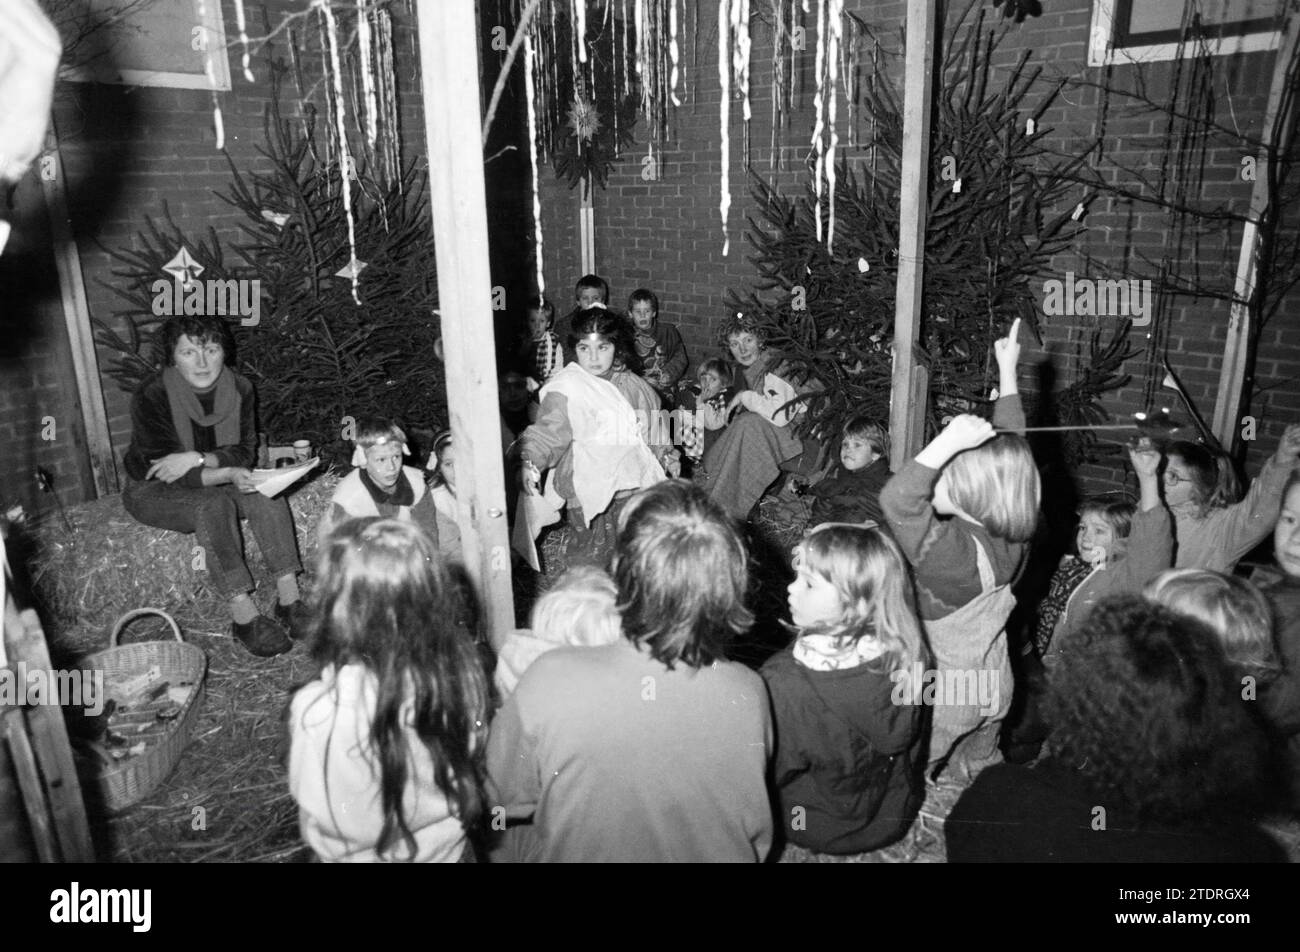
<point x="351" y="270"/>
<point x="584" y="120"/>
<point x="183" y="267"/>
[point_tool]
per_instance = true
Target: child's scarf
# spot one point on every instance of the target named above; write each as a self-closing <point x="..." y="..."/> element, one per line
<point x="609" y="449"/>
<point x="402" y="493"/>
<point x="834" y="653"/>
<point x="186" y="409"/>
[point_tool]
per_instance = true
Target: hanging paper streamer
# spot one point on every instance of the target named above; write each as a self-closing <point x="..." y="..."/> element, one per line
<point x="832" y="67"/>
<point x="819" y="123"/>
<point x="580" y="22"/>
<point x="346" y="168"/>
<point x="243" y="39"/>
<point x="724" y="109"/>
<point x="364" y="41"/>
<point x="740" y="63"/>
<point x="672" y="48"/>
<point x="219" y="126"/>
<point x="530" y="95"/>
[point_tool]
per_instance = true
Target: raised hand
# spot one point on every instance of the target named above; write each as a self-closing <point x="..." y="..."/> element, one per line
<point x="1145" y="459"/>
<point x="1007" y="349"/>
<point x="965" y="432"/>
<point x="1288" y="450"/>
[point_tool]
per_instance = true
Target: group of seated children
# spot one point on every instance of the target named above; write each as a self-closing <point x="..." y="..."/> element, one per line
<point x="616" y="728"/>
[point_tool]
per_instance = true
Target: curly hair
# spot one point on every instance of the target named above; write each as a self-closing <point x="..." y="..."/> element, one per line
<point x="200" y="328"/>
<point x="1146" y="708"/>
<point x="742" y="323"/>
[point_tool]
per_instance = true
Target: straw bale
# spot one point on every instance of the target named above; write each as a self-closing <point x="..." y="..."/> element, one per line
<point x="110" y="563"/>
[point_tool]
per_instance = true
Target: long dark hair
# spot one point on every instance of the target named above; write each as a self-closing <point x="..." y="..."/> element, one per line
<point x="387" y="602"/>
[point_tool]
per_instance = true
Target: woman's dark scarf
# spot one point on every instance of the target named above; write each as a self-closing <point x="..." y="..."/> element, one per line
<point x="186" y="409"/>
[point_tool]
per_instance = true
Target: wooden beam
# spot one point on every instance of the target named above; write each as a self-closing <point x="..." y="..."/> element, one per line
<point x="906" y="419"/>
<point x="449" y="43"/>
<point x="76" y="317"/>
<point x="1236" y="349"/>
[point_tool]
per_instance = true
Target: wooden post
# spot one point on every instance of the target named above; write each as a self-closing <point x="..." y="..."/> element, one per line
<point x="76" y="316"/>
<point x="905" y="432"/>
<point x="449" y="44"/>
<point x="1236" y="350"/>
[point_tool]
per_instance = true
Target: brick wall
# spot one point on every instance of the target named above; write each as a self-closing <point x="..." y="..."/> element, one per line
<point x="667" y="235"/>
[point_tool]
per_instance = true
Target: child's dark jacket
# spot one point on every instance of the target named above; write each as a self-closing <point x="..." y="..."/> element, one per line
<point x="850" y="496"/>
<point x="845" y="756"/>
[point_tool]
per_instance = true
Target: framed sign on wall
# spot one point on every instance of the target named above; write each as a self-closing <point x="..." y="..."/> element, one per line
<point x="177" y="43"/>
<point x="1138" y="31"/>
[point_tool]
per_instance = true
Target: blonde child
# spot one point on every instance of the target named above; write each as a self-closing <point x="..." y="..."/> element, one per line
<point x="1243" y="619"/>
<point x="442" y="490"/>
<point x="543" y="351"/>
<point x="963" y="512"/>
<point x="381" y="485"/>
<point x="846" y="749"/>
<point x="1120" y="548"/>
<point x="578" y="610"/>
<point x="592" y="431"/>
<point x="387" y="742"/>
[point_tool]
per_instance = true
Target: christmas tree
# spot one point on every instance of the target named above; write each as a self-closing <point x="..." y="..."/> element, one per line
<point x="318" y="355"/>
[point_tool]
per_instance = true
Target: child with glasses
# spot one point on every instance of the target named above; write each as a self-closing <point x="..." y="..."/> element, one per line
<point x="1213" y="530"/>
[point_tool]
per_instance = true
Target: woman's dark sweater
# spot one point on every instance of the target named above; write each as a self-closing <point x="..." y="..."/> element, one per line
<point x="153" y="435"/>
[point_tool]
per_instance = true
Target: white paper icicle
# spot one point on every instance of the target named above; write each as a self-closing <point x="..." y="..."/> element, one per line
<point x="724" y="76"/>
<point x="243" y="39"/>
<point x="345" y="156"/>
<point x="819" y="124"/>
<point x="367" y="74"/>
<point x="832" y="67"/>
<point x="530" y="94"/>
<point x="218" y="125"/>
<point x="672" y="48"/>
<point x="580" y="26"/>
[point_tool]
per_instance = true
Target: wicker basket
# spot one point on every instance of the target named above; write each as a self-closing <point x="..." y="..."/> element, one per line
<point x="126" y="782"/>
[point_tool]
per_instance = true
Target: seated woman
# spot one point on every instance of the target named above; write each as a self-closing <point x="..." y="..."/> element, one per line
<point x="193" y="440"/>
<point x="746" y="458"/>
<point x="653" y="749"/>
<point x="1155" y="757"/>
